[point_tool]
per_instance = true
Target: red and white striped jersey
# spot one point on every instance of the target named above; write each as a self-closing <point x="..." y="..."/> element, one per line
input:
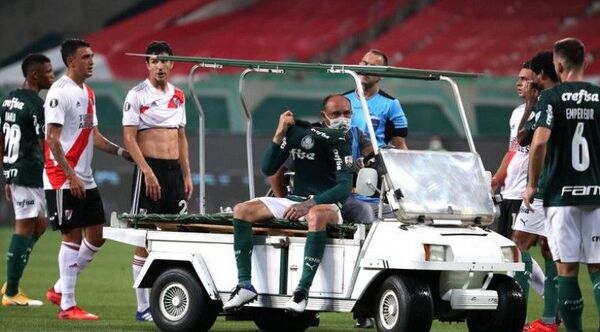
<point x="518" y="162"/>
<point x="147" y="107"/>
<point x="74" y="108"/>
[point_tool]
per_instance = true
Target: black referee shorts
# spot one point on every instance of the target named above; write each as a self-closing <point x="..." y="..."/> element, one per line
<point x="172" y="194"/>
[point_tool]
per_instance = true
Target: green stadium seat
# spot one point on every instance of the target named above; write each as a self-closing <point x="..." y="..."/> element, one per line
<point x="427" y="119"/>
<point x="216" y="113"/>
<point x="109" y="113"/>
<point x="492" y="120"/>
<point x="266" y="115"/>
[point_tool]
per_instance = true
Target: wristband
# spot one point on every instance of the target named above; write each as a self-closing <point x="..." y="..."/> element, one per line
<point x="120" y="152"/>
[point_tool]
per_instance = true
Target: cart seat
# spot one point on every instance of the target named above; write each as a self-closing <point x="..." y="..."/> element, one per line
<point x="223" y="223"/>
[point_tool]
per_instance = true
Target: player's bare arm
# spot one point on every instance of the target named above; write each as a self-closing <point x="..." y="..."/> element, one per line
<point x="104" y="144"/>
<point x="131" y="144"/>
<point x="286" y="119"/>
<point x="398" y="142"/>
<point x="537" y="153"/>
<point x="500" y="175"/>
<point x="530" y="94"/>
<point x="184" y="161"/>
<point x="53" y="139"/>
<point x="7" y="193"/>
<point x="278" y="182"/>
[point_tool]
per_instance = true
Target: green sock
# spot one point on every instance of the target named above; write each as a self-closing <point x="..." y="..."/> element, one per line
<point x="242" y="246"/>
<point x="570" y="303"/>
<point x="32" y="241"/>
<point x="523" y="278"/>
<point x="16" y="259"/>
<point x="313" y="253"/>
<point x="550" y="296"/>
<point x="596" y="286"/>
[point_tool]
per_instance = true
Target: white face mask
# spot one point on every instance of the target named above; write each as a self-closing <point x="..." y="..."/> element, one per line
<point x="340" y="123"/>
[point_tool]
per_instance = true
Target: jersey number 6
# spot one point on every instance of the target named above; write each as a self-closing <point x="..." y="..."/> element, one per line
<point x="580" y="155"/>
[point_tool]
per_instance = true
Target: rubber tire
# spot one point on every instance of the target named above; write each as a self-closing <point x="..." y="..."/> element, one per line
<point x="511" y="312"/>
<point x="275" y="320"/>
<point x="202" y="311"/>
<point x="414" y="307"/>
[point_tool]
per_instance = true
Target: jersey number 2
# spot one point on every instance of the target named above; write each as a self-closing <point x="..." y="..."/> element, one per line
<point x="580" y="154"/>
<point x="12" y="139"/>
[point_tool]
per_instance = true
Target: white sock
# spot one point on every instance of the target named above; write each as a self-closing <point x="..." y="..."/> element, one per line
<point x="141" y="294"/>
<point x="67" y="263"/>
<point x="57" y="286"/>
<point x="537" y="278"/>
<point x="86" y="254"/>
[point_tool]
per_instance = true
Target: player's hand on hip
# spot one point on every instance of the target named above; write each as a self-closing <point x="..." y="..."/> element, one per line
<point x="152" y="186"/>
<point x="188" y="187"/>
<point x="7" y="193"/>
<point x="76" y="187"/>
<point x="528" y="196"/>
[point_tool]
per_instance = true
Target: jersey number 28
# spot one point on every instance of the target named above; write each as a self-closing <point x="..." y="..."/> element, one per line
<point x="580" y="154"/>
<point x="12" y="139"/>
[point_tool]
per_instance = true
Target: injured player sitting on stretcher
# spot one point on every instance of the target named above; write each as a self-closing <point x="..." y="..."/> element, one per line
<point x="323" y="181"/>
<point x="336" y="114"/>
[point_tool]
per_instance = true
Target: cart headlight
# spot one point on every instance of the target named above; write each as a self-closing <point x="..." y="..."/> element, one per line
<point x="435" y="252"/>
<point x="511" y="254"/>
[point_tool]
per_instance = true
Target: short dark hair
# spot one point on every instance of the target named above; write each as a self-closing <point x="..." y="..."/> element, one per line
<point x="542" y="60"/>
<point x="526" y="65"/>
<point x="158" y="47"/>
<point x="572" y="50"/>
<point x="326" y="100"/>
<point x="381" y="54"/>
<point x="69" y="48"/>
<point x="32" y="60"/>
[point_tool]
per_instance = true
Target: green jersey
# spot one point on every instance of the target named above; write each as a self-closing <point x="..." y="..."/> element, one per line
<point x="22" y="122"/>
<point x="530" y="128"/>
<point x="322" y="159"/>
<point x="571" y="173"/>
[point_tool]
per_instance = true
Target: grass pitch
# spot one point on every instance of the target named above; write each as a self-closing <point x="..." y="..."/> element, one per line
<point x="104" y="288"/>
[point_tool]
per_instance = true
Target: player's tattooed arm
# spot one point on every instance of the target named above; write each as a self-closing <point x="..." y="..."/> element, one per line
<point x="53" y="140"/>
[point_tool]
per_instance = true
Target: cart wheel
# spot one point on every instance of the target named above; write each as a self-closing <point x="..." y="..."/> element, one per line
<point x="178" y="302"/>
<point x="510" y="314"/>
<point x="271" y="320"/>
<point x="403" y="304"/>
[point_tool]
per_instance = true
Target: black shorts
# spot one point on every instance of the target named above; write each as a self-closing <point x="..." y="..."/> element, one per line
<point x="509" y="209"/>
<point x="66" y="212"/>
<point x="172" y="193"/>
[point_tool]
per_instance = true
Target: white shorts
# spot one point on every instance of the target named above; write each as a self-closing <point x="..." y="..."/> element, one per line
<point x="28" y="202"/>
<point x="278" y="205"/>
<point x="574" y="233"/>
<point x="532" y="222"/>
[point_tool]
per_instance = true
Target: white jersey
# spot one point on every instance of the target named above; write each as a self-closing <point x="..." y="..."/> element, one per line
<point x="147" y="107"/>
<point x="518" y="160"/>
<point x="74" y="108"/>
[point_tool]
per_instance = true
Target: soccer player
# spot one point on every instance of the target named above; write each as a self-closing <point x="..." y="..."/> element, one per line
<point x="322" y="181"/>
<point x="529" y="227"/>
<point x="564" y="164"/>
<point x="154" y="133"/>
<point x="74" y="202"/>
<point x="21" y="146"/>
<point x="512" y="173"/>
<point x="387" y="116"/>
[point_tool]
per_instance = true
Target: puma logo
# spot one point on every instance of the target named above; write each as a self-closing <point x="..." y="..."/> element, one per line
<point x="311" y="267"/>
